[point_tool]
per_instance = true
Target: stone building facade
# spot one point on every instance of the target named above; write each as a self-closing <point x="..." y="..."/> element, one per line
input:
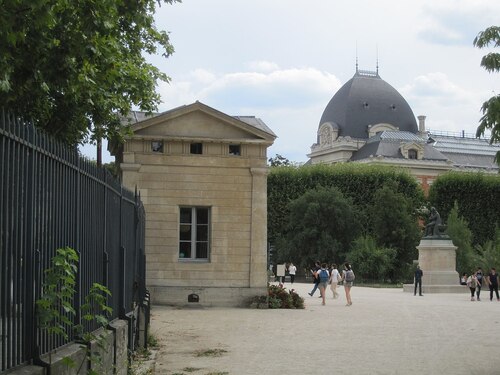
<point x="202" y="176"/>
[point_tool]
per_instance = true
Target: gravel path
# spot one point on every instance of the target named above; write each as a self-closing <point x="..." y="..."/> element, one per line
<point x="385" y="331"/>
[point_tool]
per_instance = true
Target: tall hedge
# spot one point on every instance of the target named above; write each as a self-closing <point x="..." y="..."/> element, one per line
<point x="478" y="199"/>
<point x="357" y="181"/>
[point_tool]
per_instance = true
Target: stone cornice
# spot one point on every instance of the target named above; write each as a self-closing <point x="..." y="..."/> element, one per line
<point x="263" y="171"/>
<point x="130" y="167"/>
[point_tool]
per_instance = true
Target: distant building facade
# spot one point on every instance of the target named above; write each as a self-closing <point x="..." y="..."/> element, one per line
<point x="202" y="176"/>
<point x="368" y="121"/>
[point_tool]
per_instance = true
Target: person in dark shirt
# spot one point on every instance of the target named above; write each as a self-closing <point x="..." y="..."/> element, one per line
<point x="479" y="277"/>
<point x="418" y="281"/>
<point x="314" y="272"/>
<point x="492" y="280"/>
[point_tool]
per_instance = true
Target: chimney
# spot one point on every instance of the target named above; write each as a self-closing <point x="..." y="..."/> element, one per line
<point x="421" y="124"/>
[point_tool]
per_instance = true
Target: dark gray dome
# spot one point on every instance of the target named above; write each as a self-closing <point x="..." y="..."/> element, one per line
<point x="366" y="99"/>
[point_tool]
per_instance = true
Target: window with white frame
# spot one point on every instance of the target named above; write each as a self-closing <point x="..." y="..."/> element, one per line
<point x="412" y="153"/>
<point x="194" y="233"/>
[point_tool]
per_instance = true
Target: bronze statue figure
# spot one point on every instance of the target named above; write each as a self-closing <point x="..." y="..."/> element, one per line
<point x="432" y="227"/>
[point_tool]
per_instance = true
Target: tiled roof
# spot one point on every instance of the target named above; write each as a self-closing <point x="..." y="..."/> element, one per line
<point x="255" y="122"/>
<point x="467" y="152"/>
<point x="388" y="143"/>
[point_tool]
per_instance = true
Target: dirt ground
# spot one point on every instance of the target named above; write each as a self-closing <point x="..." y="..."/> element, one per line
<point x="385" y="331"/>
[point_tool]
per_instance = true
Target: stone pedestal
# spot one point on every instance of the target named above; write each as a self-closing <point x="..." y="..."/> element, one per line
<point x="437" y="259"/>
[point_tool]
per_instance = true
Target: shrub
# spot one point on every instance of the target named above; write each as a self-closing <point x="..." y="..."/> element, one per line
<point x="475" y="194"/>
<point x="287" y="299"/>
<point x="278" y="298"/>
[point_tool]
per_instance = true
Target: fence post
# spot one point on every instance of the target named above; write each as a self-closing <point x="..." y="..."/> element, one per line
<point x="123" y="311"/>
<point x="30" y="255"/>
<point x="78" y="214"/>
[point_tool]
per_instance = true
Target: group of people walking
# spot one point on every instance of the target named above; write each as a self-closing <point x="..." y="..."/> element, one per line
<point x="476" y="281"/>
<point x="324" y="276"/>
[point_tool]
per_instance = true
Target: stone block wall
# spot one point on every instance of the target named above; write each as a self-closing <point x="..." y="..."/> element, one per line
<point x="113" y="354"/>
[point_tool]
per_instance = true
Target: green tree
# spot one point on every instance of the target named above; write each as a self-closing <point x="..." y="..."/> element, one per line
<point x="73" y="67"/>
<point x="489" y="253"/>
<point x="322" y="224"/>
<point x="279" y="161"/>
<point x="394" y="225"/>
<point x="461" y="235"/>
<point x="490" y="108"/>
<point x="371" y="262"/>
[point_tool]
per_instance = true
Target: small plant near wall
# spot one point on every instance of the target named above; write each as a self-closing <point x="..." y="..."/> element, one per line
<point x="55" y="309"/>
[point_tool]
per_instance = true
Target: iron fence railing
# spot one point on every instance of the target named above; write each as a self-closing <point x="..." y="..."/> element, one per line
<point x="50" y="197"/>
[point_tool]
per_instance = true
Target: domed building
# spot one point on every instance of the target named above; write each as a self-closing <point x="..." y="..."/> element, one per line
<point x="369" y="121"/>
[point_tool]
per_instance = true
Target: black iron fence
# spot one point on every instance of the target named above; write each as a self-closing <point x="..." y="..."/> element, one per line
<point x="50" y="197"/>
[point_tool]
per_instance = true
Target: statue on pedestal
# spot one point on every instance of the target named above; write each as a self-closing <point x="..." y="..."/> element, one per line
<point x="434" y="224"/>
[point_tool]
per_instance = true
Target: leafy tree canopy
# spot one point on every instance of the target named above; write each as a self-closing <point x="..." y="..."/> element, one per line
<point x="279" y="161"/>
<point x="73" y="67"/>
<point x="322" y="224"/>
<point x="461" y="235"/>
<point x="394" y="223"/>
<point x="490" y="108"/>
<point x="371" y="262"/>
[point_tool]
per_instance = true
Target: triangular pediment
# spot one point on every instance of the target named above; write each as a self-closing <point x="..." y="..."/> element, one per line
<point x="201" y="122"/>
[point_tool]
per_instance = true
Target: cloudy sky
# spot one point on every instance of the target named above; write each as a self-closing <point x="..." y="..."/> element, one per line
<point x="283" y="60"/>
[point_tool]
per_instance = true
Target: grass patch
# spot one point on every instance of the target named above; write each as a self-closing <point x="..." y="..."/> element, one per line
<point x="190" y="369"/>
<point x="210" y="353"/>
<point x="153" y="341"/>
<point x="218" y="373"/>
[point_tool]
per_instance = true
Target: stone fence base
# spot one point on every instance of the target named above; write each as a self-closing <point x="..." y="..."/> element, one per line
<point x="113" y="356"/>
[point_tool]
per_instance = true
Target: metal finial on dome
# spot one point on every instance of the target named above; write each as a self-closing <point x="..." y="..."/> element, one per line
<point x="356" y="56"/>
<point x="377" y="59"/>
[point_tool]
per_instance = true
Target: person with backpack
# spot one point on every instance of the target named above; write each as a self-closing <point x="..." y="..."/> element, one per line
<point x="314" y="272"/>
<point x="472" y="284"/>
<point x="479" y="278"/>
<point x="348" y="277"/>
<point x="323" y="276"/>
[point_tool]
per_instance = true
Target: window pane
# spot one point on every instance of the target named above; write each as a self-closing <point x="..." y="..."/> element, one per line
<point x="185" y="250"/>
<point x="185" y="232"/>
<point x="186" y="215"/>
<point x="201" y="250"/>
<point x="202" y="215"/>
<point x="202" y="233"/>
<point x="197" y="148"/>
<point x="157" y="146"/>
<point x="234" y="150"/>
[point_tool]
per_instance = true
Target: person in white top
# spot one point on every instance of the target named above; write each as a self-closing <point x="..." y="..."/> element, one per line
<point x="335" y="278"/>
<point x="291" y="271"/>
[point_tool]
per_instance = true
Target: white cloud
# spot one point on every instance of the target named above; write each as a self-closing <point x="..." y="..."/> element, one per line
<point x="203" y="76"/>
<point x="436" y="86"/>
<point x="263" y="66"/>
<point x="286" y="88"/>
<point x="450" y="22"/>
<point x="447" y="105"/>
